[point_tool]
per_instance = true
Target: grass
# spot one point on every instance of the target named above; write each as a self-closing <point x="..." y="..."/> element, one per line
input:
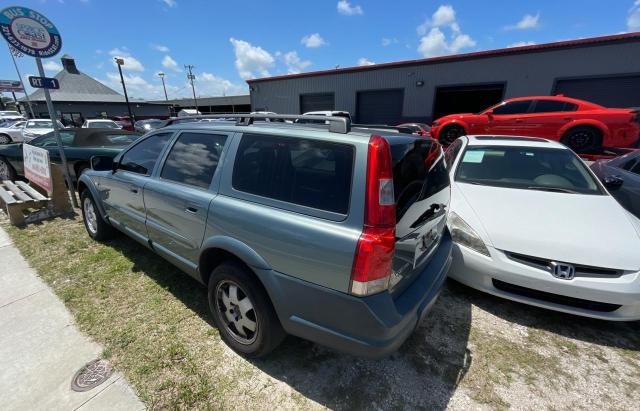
<point x="153" y="323"/>
<point x="126" y="298"/>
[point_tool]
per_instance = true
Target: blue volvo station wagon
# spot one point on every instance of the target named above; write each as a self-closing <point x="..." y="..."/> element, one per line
<point x="332" y="232"/>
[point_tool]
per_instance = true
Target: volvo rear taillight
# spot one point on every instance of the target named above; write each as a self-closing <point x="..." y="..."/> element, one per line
<point x="373" y="260"/>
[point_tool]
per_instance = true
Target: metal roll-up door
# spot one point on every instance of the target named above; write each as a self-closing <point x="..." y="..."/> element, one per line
<point x="613" y="91"/>
<point x="380" y="106"/>
<point x="316" y="102"/>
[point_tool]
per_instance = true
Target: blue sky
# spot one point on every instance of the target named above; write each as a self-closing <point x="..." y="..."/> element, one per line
<point x="230" y="41"/>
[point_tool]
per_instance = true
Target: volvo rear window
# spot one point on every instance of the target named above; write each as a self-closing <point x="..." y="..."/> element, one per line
<point x="309" y="173"/>
<point x="419" y="171"/>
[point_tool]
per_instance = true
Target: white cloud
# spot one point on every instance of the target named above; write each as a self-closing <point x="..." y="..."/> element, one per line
<point x="170" y="3"/>
<point x="522" y="43"/>
<point x="344" y="7"/>
<point x="387" y="41"/>
<point x="461" y="41"/>
<point x="251" y="61"/>
<point x="294" y="63"/>
<point x="364" y="62"/>
<point x="633" y="21"/>
<point x="313" y="40"/>
<point x="137" y="87"/>
<point x="169" y="63"/>
<point x="130" y="63"/>
<point x="160" y="48"/>
<point x="208" y="84"/>
<point x="444" y="16"/>
<point x="528" y="21"/>
<point x="434" y="41"/>
<point x="52" y="66"/>
<point x="433" y="44"/>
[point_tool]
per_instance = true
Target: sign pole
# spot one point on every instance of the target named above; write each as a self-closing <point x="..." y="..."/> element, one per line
<point x="54" y="121"/>
<point x="15" y="101"/>
<point x="26" y="95"/>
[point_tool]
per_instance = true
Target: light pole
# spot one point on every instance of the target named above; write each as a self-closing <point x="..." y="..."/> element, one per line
<point x="161" y="75"/>
<point x="120" y="63"/>
<point x="191" y="77"/>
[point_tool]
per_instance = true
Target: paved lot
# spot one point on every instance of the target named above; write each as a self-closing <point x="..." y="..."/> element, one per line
<point x="41" y="349"/>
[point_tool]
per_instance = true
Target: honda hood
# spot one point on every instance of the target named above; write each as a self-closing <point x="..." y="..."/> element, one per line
<point x="581" y="229"/>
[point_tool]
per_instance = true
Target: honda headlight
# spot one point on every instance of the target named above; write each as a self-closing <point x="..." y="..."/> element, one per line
<point x="463" y="234"/>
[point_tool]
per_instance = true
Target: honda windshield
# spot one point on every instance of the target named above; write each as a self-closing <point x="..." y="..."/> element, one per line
<point x="529" y="168"/>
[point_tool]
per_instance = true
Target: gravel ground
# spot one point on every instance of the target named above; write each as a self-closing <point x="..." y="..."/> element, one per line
<point x="474" y="351"/>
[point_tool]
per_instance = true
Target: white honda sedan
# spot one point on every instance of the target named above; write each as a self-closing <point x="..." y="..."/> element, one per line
<point x="532" y="223"/>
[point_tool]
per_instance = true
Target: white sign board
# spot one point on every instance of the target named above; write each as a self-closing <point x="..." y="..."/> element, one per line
<point x="37" y="168"/>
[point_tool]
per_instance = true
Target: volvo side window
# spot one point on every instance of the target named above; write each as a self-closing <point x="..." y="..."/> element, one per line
<point x="142" y="157"/>
<point x="306" y="172"/>
<point x="193" y="159"/>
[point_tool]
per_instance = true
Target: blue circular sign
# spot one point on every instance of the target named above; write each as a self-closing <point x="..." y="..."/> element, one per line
<point x="30" y="32"/>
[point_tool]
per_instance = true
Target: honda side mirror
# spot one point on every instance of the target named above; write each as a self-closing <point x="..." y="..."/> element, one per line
<point x="612" y="182"/>
<point x="103" y="163"/>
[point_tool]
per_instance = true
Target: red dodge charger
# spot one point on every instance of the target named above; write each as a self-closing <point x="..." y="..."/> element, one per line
<point x="581" y="125"/>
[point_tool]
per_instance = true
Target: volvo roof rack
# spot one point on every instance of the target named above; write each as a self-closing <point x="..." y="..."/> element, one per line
<point x="340" y="125"/>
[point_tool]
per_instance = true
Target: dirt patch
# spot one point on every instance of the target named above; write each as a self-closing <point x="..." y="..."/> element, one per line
<point x="473" y="351"/>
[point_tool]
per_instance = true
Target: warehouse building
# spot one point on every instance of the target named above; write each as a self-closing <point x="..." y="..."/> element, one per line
<point x="212" y="105"/>
<point x="605" y="70"/>
<point x="82" y="97"/>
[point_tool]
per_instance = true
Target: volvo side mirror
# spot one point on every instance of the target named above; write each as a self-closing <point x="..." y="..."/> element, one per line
<point x="103" y="163"/>
<point x="612" y="182"/>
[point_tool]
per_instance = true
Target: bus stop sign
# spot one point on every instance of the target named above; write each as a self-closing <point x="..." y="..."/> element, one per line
<point x="30" y="32"/>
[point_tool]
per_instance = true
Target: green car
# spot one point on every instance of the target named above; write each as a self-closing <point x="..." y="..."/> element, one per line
<point x="80" y="144"/>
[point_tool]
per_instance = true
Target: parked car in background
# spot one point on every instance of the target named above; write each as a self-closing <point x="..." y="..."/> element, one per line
<point x="583" y="126"/>
<point x="622" y="176"/>
<point x="10" y="115"/>
<point x="12" y="132"/>
<point x="327" y="113"/>
<point x="144" y="126"/>
<point x="188" y="112"/>
<point x="101" y="123"/>
<point x="419" y="129"/>
<point x="531" y="223"/>
<point x="124" y="122"/>
<point x="347" y="219"/>
<point x="38" y="127"/>
<point x="80" y="144"/>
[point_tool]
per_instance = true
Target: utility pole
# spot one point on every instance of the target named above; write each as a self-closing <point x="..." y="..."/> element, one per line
<point x="161" y="75"/>
<point x="191" y="77"/>
<point x="120" y="63"/>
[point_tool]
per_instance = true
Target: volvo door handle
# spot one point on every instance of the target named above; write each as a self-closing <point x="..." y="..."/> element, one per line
<point x="133" y="189"/>
<point x="191" y="210"/>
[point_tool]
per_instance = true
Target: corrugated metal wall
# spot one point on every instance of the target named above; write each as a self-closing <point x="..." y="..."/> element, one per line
<point x="526" y="74"/>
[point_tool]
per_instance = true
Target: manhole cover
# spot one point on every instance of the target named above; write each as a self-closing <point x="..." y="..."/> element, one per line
<point x="91" y="375"/>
